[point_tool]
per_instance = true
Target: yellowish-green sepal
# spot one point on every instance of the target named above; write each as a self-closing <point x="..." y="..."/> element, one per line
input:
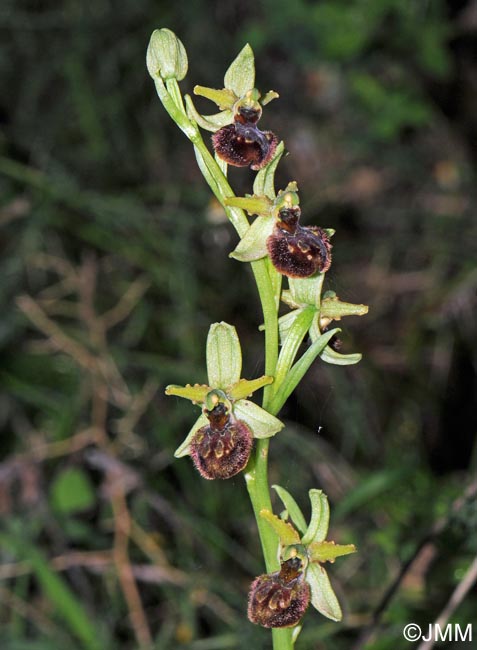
<point x="184" y="448"/>
<point x="261" y="422"/>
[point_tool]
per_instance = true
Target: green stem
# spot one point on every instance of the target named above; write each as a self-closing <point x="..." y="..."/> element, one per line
<point x="257" y="471"/>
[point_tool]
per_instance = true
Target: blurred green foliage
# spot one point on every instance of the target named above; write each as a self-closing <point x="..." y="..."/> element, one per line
<point x="115" y="261"/>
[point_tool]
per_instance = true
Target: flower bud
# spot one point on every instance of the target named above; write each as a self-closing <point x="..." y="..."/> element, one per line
<point x="298" y="251"/>
<point x="222" y="448"/>
<point x="166" y="56"/>
<point x="279" y="599"/>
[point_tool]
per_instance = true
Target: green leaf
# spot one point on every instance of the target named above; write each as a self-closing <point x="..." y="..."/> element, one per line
<point x="253" y="244"/>
<point x="166" y="56"/>
<point x="224" y="355"/>
<point x="328" y="551"/>
<point x="294" y="339"/>
<point x="299" y="369"/>
<point x="292" y="507"/>
<point x="196" y="393"/>
<point x="320" y="517"/>
<point x="264" y="183"/>
<point x="285" y="531"/>
<point x="262" y="423"/>
<point x="184" y="448"/>
<point x="240" y="76"/>
<point x="323" y="597"/>
<point x="72" y="491"/>
<point x="246" y="387"/>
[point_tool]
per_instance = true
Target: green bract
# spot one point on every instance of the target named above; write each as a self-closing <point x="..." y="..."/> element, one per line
<point x="310" y="546"/>
<point x="224" y="364"/>
<point x="305" y="293"/>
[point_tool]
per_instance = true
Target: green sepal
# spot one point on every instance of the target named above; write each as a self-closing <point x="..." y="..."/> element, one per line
<point x="268" y="97"/>
<point x="196" y="393"/>
<point x="253" y="244"/>
<point x="224" y="98"/>
<point x="208" y="122"/>
<point x="183" y="449"/>
<point x="323" y="597"/>
<point x="285" y="531"/>
<point x="224" y="355"/>
<point x="240" y="75"/>
<point x="264" y="184"/>
<point x="335" y="358"/>
<point x="328" y="551"/>
<point x="320" y="518"/>
<point x="304" y="291"/>
<point x="166" y="56"/>
<point x="246" y="387"/>
<point x="292" y="507"/>
<point x="297" y="371"/>
<point x="262" y="423"/>
<point x="260" y="205"/>
<point x="332" y="307"/>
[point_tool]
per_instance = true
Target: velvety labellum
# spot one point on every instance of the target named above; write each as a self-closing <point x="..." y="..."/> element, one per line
<point x="279" y="599"/>
<point x="222" y="448"/>
<point x="243" y="145"/>
<point x="299" y="253"/>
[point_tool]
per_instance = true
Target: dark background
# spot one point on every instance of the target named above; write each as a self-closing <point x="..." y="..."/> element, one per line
<point x="115" y="261"/>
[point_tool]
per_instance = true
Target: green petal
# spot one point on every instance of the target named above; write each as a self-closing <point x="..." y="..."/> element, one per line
<point x="183" y="449"/>
<point x="240" y="76"/>
<point x="264" y="183"/>
<point x="320" y="517"/>
<point x="196" y="393"/>
<point x="271" y="95"/>
<point x="261" y="422"/>
<point x="260" y="205"/>
<point x="246" y="387"/>
<point x="329" y="551"/>
<point x="292" y="507"/>
<point x="285" y="531"/>
<point x="335" y="309"/>
<point x="323" y="597"/>
<point x="253" y="244"/>
<point x="225" y="99"/>
<point x="224" y="356"/>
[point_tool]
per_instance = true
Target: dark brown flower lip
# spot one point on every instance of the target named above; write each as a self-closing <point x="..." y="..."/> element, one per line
<point x="221" y="448"/>
<point x="301" y="254"/>
<point x="244" y="145"/>
<point x="279" y="599"/>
